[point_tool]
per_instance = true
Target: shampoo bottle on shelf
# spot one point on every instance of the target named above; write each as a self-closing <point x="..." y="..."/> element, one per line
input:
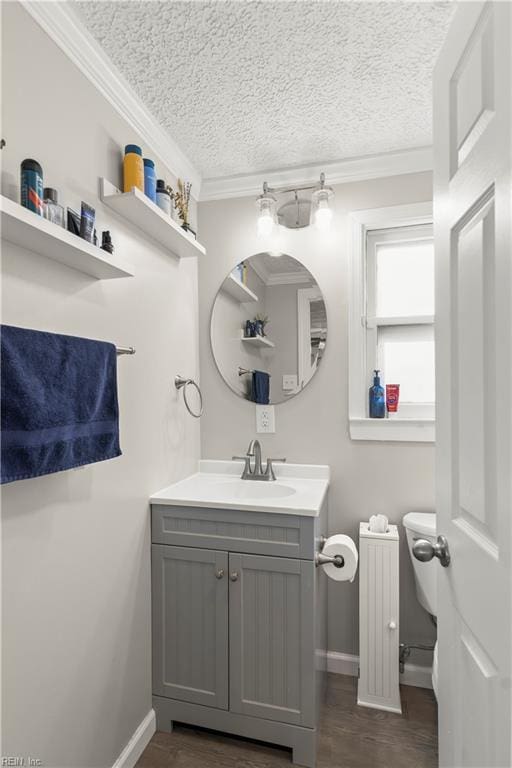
<point x="133" y="168"/>
<point x="163" y="198"/>
<point x="149" y="179"/>
<point x="377" y="400"/>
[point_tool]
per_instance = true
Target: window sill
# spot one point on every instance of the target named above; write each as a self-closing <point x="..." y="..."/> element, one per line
<point x="394" y="430"/>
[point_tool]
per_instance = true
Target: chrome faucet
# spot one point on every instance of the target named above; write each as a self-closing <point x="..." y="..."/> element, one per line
<point x="254" y="451"/>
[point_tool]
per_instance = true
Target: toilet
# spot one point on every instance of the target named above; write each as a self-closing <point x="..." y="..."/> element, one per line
<point x="422" y="525"/>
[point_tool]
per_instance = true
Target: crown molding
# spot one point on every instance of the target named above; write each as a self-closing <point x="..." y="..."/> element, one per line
<point x="280" y="278"/>
<point x="341" y="172"/>
<point x="61" y="23"/>
<point x="63" y="26"/>
<point x="289" y="278"/>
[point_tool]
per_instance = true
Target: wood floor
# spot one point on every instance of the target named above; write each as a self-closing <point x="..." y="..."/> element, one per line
<point x="350" y="737"/>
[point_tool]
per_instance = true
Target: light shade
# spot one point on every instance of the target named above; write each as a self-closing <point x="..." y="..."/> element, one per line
<point x="267" y="214"/>
<point x="321" y="211"/>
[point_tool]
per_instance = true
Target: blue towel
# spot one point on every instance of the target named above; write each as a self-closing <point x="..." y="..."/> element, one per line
<point x="260" y="387"/>
<point x="59" y="402"/>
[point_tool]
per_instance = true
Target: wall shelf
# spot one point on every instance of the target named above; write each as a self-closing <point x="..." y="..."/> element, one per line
<point x="238" y="290"/>
<point x="27" y="230"/>
<point x="138" y="209"/>
<point x="258" y="341"/>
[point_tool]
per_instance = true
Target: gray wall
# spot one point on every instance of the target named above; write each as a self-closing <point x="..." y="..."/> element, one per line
<point x="76" y="555"/>
<point x="313" y="427"/>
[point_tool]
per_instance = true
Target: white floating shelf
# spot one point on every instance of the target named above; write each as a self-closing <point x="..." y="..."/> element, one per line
<point x="238" y="290"/>
<point x="258" y="341"/>
<point x="28" y="230"/>
<point x="138" y="209"/>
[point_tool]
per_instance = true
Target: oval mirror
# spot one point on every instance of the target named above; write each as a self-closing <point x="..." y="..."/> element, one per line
<point x="268" y="328"/>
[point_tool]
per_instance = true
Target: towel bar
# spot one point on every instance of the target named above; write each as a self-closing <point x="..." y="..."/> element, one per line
<point x="125" y="350"/>
<point x="244" y="371"/>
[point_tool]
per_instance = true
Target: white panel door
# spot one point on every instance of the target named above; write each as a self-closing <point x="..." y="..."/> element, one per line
<point x="472" y="226"/>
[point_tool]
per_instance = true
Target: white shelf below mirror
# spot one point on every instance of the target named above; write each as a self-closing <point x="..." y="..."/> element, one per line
<point x="138" y="209"/>
<point x="30" y="231"/>
<point x="238" y="290"/>
<point x="258" y="341"/>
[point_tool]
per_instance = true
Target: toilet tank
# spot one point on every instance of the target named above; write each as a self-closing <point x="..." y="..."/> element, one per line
<point x="422" y="525"/>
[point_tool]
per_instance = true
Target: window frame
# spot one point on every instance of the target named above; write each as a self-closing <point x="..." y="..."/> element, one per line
<point x="360" y="426"/>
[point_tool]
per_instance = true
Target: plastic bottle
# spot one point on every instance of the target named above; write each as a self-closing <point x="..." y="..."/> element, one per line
<point x="51" y="208"/>
<point x="106" y="242"/>
<point x="133" y="168"/>
<point x="163" y="198"/>
<point x="376" y="400"/>
<point x="149" y="179"/>
<point x="32" y="186"/>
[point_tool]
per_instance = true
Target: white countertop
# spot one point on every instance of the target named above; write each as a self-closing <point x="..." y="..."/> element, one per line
<point x="299" y="489"/>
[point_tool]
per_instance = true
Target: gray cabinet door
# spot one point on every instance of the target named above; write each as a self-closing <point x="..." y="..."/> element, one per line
<point x="190" y="624"/>
<point x="271" y="607"/>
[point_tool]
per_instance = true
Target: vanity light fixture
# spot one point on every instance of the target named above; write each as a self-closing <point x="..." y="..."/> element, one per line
<point x="297" y="212"/>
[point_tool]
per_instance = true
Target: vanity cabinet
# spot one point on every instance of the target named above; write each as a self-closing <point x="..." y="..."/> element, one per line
<point x="239" y="629"/>
<point x="271" y="638"/>
<point x="190" y="624"/>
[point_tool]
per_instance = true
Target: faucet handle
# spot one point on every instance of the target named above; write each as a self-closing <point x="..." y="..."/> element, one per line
<point x="269" y="472"/>
<point x="247" y="466"/>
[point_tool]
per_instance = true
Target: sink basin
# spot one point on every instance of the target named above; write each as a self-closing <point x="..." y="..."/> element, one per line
<point x="254" y="489"/>
<point x="300" y="489"/>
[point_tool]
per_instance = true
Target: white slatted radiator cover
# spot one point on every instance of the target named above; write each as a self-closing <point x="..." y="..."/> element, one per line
<point x="378" y="685"/>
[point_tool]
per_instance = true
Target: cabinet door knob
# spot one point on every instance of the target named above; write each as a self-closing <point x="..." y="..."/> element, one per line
<point x="219" y="574"/>
<point x="233" y="576"/>
<point x="392" y="625"/>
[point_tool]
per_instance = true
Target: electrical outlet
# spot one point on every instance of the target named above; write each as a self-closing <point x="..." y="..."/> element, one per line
<point x="289" y="382"/>
<point x="265" y="418"/>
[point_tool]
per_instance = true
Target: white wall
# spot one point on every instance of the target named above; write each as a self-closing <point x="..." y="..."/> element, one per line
<point x="282" y="311"/>
<point x="366" y="477"/>
<point x="228" y="320"/>
<point x="76" y="546"/>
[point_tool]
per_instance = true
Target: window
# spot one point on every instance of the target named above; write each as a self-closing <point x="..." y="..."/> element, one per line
<point x="392" y="320"/>
<point x="400" y="314"/>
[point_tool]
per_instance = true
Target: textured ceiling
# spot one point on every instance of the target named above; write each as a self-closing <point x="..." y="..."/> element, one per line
<point x="250" y="86"/>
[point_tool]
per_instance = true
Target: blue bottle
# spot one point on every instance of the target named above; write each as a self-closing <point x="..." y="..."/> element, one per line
<point x="149" y="179"/>
<point x="32" y="186"/>
<point x="377" y="400"/>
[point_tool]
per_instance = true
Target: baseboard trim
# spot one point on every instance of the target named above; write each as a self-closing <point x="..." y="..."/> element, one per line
<point x="138" y="742"/>
<point x="348" y="664"/>
<point x="417" y="675"/>
<point x="342" y="663"/>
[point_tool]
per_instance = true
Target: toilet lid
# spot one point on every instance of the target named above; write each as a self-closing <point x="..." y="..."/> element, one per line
<point x="420" y="522"/>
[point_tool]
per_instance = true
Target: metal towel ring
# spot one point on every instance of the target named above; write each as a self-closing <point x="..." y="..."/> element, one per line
<point x="182" y="383"/>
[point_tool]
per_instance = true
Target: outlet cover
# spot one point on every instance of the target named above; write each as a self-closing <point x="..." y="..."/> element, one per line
<point x="289" y="382"/>
<point x="265" y="418"/>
